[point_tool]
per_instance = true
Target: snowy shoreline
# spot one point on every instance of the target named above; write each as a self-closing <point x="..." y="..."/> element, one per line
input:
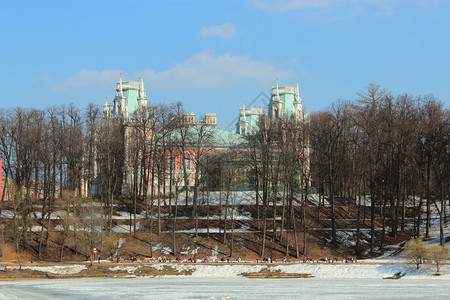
<point x="371" y="270"/>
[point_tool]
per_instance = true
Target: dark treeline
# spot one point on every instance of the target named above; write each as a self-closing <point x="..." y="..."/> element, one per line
<point x="389" y="149"/>
<point x="389" y="152"/>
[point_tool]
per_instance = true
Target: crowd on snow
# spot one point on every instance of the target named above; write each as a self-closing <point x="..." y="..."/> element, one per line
<point x="193" y="259"/>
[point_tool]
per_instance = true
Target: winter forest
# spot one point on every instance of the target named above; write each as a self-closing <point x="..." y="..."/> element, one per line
<point x="370" y="170"/>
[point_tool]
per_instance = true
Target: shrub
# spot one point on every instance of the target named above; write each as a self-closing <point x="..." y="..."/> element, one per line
<point x="437" y="254"/>
<point x="415" y="250"/>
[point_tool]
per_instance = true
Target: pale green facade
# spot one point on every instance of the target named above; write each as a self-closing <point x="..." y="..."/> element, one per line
<point x="284" y="100"/>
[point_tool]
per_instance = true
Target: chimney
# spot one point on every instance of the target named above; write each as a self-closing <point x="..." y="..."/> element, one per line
<point x="211" y="119"/>
<point x="188" y="118"/>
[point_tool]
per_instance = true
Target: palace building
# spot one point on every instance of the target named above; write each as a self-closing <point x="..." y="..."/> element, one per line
<point x="130" y="98"/>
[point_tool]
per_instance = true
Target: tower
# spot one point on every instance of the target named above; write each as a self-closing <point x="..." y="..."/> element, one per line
<point x="107" y="109"/>
<point x="285" y="100"/>
<point x="247" y="123"/>
<point x="129" y="100"/>
<point x="142" y="98"/>
<point x="276" y="103"/>
<point x="298" y="103"/>
<point x="130" y="96"/>
<point x="243" y="122"/>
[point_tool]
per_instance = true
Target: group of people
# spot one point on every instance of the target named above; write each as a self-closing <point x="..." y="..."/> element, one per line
<point x="265" y="259"/>
<point x="334" y="260"/>
<point x="207" y="259"/>
<point x="193" y="259"/>
<point x="350" y="260"/>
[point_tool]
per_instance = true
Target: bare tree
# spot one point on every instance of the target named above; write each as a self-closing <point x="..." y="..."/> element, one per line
<point x="437" y="254"/>
<point x="328" y="143"/>
<point x="110" y="161"/>
<point x="91" y="228"/>
<point x="415" y="250"/>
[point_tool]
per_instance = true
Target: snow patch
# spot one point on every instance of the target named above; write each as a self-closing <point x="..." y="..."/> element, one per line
<point x="59" y="270"/>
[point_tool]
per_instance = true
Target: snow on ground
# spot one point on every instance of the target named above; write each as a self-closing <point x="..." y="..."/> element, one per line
<point x="234" y="198"/>
<point x="356" y="270"/>
<point x="187" y="250"/>
<point x="434" y="228"/>
<point x="236" y="215"/>
<point x="214" y="253"/>
<point x="245" y="228"/>
<point x="129" y="269"/>
<point x="125" y="228"/>
<point x="165" y="250"/>
<point x="178" y="267"/>
<point x="387" y="257"/>
<point x="124" y="215"/>
<point x="219" y="198"/>
<point x="319" y="270"/>
<point x="7" y="214"/>
<point x="59" y="270"/>
<point x="315" y="198"/>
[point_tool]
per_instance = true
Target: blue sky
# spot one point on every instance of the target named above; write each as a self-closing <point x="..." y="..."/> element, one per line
<point x="212" y="55"/>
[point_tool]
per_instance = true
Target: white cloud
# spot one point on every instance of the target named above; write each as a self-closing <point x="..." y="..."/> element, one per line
<point x="84" y="78"/>
<point x="205" y="70"/>
<point x="199" y="72"/>
<point x="226" y="31"/>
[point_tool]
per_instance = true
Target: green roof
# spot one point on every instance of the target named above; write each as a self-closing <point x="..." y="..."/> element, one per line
<point x="214" y="136"/>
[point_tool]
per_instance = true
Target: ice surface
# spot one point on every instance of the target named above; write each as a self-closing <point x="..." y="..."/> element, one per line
<point x="222" y="288"/>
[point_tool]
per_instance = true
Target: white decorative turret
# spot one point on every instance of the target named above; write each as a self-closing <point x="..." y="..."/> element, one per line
<point x="245" y="119"/>
<point x="141" y="87"/>
<point x="142" y="99"/>
<point x="276" y="104"/>
<point x="120" y="89"/>
<point x="243" y="122"/>
<point x="298" y="102"/>
<point x="107" y="108"/>
<point x="120" y="100"/>
<point x="277" y="96"/>
<point x="124" y="108"/>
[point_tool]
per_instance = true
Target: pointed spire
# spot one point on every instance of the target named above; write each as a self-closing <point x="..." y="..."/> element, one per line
<point x="106" y="108"/>
<point x="120" y="85"/>
<point x="141" y="86"/>
<point x="297" y="94"/>
<point x="278" y="92"/>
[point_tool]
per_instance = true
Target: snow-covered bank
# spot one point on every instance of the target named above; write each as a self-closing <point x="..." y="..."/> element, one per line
<point x="57" y="270"/>
<point x="219" y="270"/>
<point x="324" y="270"/>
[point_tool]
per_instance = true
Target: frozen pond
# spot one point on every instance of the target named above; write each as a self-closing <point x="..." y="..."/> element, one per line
<point x="226" y="288"/>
